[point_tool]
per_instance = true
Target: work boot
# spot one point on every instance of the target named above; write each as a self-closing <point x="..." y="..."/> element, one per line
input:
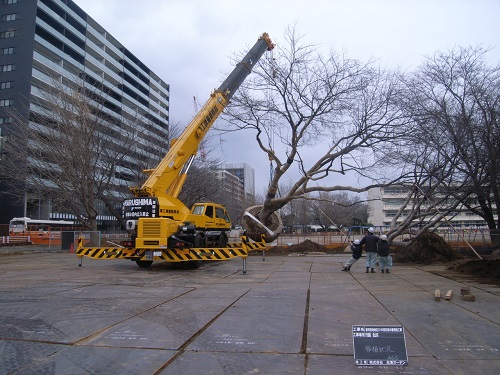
<point x="367" y="269"/>
<point x="382" y="271"/>
<point x="387" y="271"/>
<point x="373" y="271"/>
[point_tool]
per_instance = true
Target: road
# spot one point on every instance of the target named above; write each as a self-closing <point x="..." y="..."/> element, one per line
<point x="286" y="315"/>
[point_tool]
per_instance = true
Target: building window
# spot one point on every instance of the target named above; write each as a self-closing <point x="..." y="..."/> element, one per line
<point x="395" y="190"/>
<point x="6" y="85"/>
<point x="10" y="17"/>
<point x="8" y="2"/>
<point x="6" y="102"/>
<point x="8" y="51"/>
<point x="390" y="213"/>
<point x="396" y="202"/>
<point x="8" y="34"/>
<point x="7" y="68"/>
<point x="5" y="120"/>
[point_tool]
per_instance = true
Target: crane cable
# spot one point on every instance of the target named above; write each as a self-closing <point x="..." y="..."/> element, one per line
<point x="271" y="59"/>
<point x="331" y="221"/>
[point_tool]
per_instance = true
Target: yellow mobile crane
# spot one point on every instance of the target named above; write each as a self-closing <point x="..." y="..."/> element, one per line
<point x="161" y="227"/>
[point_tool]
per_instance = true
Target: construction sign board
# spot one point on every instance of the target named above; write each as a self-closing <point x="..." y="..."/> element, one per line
<point x="379" y="345"/>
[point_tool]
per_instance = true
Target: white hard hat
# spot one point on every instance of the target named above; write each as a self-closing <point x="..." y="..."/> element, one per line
<point x="357" y="242"/>
<point x="383" y="237"/>
<point x="371" y="230"/>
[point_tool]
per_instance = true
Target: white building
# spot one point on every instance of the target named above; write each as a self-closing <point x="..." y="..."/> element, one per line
<point x="384" y="204"/>
<point x="247" y="175"/>
<point x="231" y="194"/>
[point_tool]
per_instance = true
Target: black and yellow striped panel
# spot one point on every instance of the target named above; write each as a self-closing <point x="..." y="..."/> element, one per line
<point x="253" y="246"/>
<point x="172" y="255"/>
<point x="169" y="255"/>
<point x="106" y="252"/>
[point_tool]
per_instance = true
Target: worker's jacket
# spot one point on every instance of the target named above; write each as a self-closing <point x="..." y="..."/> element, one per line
<point x="356" y="250"/>
<point x="383" y="248"/>
<point x="370" y="242"/>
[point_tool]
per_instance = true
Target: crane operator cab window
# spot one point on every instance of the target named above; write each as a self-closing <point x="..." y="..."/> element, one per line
<point x="209" y="211"/>
<point x="221" y="214"/>
<point x="198" y="210"/>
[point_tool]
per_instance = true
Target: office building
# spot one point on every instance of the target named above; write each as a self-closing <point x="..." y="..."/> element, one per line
<point x="43" y="39"/>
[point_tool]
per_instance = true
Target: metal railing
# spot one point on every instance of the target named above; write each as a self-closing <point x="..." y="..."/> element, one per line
<point x="6" y="240"/>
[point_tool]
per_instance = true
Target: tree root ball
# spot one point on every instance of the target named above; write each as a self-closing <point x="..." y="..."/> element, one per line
<point x="426" y="248"/>
<point x="254" y="229"/>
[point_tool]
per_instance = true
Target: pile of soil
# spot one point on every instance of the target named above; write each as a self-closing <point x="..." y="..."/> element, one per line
<point x="429" y="248"/>
<point x="305" y="247"/>
<point x="426" y="248"/>
<point x="486" y="270"/>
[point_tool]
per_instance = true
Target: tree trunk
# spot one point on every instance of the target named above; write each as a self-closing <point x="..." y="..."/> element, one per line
<point x="495" y="236"/>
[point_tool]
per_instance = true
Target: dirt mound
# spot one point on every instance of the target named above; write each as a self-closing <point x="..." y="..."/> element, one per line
<point x="426" y="248"/>
<point x="486" y="269"/>
<point x="305" y="247"/>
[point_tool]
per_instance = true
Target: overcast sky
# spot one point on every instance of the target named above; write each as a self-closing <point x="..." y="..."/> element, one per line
<point x="190" y="43"/>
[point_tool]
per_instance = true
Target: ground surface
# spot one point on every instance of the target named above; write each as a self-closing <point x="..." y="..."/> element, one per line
<point x="426" y="249"/>
<point x="285" y="315"/>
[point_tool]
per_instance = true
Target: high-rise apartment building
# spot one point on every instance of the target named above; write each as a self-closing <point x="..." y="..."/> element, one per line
<point x="247" y="175"/>
<point x="231" y="194"/>
<point x="43" y="39"/>
<point x="237" y="189"/>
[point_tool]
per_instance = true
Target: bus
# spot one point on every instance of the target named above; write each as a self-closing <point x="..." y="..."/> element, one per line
<point x="40" y="231"/>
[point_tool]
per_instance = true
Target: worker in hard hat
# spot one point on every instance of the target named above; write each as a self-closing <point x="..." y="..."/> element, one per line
<point x="356" y="249"/>
<point x="370" y="241"/>
<point x="383" y="254"/>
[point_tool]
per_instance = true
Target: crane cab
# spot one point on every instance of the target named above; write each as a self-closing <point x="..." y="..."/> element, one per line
<point x="209" y="216"/>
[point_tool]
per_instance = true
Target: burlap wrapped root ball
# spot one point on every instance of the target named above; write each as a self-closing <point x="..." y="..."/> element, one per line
<point x="254" y="229"/>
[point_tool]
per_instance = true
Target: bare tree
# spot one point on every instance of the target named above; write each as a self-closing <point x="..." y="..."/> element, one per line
<point x="74" y="152"/>
<point x="336" y="108"/>
<point x="425" y="196"/>
<point x="453" y="100"/>
<point x="202" y="183"/>
<point x="339" y="209"/>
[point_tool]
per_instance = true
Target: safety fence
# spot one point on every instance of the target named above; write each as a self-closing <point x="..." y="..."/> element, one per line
<point x="456" y="239"/>
<point x="68" y="240"/>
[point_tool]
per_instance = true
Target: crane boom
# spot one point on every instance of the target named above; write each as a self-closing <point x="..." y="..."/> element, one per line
<point x="168" y="177"/>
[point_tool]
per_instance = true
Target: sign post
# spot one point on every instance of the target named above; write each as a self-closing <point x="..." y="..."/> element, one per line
<point x="379" y="345"/>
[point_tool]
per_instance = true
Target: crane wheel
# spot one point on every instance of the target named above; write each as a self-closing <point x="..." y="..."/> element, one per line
<point x="255" y="229"/>
<point x="199" y="241"/>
